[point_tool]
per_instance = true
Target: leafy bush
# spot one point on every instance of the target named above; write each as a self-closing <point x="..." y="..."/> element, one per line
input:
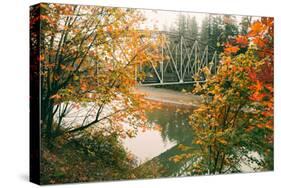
<point x="87" y="158"/>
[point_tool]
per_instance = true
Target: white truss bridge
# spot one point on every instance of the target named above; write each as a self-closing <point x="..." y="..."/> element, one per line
<point x="181" y="59"/>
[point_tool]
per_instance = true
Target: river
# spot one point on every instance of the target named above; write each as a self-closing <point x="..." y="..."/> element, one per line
<point x="161" y="144"/>
<point x="173" y="120"/>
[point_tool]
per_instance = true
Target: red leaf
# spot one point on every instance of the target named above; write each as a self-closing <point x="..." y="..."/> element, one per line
<point x="259" y="42"/>
<point x="252" y="75"/>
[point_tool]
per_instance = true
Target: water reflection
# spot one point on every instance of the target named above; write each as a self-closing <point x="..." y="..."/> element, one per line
<point x="174" y="130"/>
<point x="174" y="123"/>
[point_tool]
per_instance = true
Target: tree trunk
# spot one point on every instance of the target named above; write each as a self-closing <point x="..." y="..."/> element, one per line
<point x="47" y="117"/>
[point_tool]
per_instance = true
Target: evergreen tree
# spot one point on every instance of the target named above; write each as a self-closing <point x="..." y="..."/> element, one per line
<point x="245" y="24"/>
<point x="181" y="24"/>
<point x="230" y="28"/>
<point x="205" y="31"/>
<point x="193" y="28"/>
<point x="217" y="32"/>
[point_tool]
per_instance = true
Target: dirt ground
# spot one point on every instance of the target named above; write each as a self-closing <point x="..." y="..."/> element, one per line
<point x="170" y="96"/>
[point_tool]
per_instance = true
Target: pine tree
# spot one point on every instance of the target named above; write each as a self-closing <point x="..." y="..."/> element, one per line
<point x="230" y="28"/>
<point x="193" y="28"/>
<point x="217" y="32"/>
<point x="205" y="31"/>
<point x="245" y="24"/>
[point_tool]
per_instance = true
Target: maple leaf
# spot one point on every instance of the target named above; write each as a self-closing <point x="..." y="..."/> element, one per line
<point x="175" y="158"/>
<point x="84" y="87"/>
<point x="259" y="86"/>
<point x="42" y="57"/>
<point x="257" y="96"/>
<point x="256" y="28"/>
<point x="242" y="40"/>
<point x="56" y="96"/>
<point x="110" y="28"/>
<point x="259" y="42"/>
<point x="230" y="49"/>
<point x="252" y="75"/>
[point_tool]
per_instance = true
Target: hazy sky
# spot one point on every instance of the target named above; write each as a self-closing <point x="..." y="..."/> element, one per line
<point x="168" y="19"/>
<point x="162" y="19"/>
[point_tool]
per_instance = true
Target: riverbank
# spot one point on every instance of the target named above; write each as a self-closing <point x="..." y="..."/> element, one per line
<point x="168" y="167"/>
<point x="170" y="97"/>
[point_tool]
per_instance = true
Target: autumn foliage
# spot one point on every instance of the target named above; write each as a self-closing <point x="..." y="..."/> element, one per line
<point x="88" y="61"/>
<point x="88" y="58"/>
<point x="234" y="125"/>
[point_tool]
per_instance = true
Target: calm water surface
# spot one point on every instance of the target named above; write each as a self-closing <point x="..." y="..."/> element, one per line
<point x="174" y="130"/>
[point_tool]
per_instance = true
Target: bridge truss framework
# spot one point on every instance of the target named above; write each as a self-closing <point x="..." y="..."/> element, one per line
<point x="185" y="58"/>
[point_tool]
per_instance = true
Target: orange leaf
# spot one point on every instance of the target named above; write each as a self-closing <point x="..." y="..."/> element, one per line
<point x="242" y="40"/>
<point x="267" y="114"/>
<point x="259" y="85"/>
<point x="56" y="96"/>
<point x="84" y="87"/>
<point x="257" y="27"/>
<point x="259" y="42"/>
<point x="229" y="49"/>
<point x="257" y="96"/>
<point x="109" y="28"/>
<point x="252" y="75"/>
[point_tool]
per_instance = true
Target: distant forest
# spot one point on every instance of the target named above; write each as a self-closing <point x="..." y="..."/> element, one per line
<point x="215" y="30"/>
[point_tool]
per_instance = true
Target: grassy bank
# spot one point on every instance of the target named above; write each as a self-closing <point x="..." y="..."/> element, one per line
<point x="90" y="158"/>
<point x="87" y="158"/>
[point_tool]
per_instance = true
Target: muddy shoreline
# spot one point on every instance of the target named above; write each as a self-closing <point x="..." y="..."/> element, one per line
<point x="169" y="97"/>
